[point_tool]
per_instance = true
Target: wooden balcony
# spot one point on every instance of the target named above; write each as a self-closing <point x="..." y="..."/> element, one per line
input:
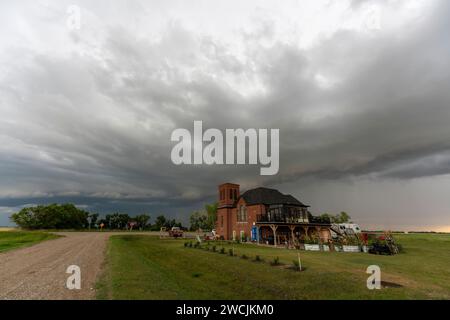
<point x="281" y="218"/>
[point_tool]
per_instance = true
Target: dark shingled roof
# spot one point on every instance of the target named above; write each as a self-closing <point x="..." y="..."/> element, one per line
<point x="269" y="196"/>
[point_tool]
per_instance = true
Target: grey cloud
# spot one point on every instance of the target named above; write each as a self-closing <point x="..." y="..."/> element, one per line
<point x="96" y="122"/>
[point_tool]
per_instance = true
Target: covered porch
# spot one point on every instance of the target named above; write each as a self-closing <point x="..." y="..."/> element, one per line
<point x="292" y="235"/>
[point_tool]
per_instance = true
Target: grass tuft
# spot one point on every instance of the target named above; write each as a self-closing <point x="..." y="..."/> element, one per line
<point x="275" y="261"/>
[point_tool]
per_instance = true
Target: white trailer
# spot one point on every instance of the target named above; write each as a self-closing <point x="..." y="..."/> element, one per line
<point x="344" y="229"/>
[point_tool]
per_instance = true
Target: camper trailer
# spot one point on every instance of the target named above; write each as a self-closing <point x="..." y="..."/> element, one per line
<point x="344" y="229"/>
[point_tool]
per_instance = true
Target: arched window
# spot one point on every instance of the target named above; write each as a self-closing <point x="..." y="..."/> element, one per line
<point x="242" y="214"/>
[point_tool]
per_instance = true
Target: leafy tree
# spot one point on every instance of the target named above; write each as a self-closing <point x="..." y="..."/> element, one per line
<point x="199" y="220"/>
<point x="123" y="220"/>
<point x="107" y="221"/>
<point x="160" y="222"/>
<point x="54" y="216"/>
<point x="118" y="220"/>
<point x="211" y="211"/>
<point x="114" y="221"/>
<point x="327" y="218"/>
<point x="205" y="220"/>
<point x="343" y="217"/>
<point x="142" y="221"/>
<point x="172" y="223"/>
<point x="92" y="219"/>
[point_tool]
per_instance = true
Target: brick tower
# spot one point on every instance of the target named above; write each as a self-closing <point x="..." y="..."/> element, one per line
<point x="228" y="194"/>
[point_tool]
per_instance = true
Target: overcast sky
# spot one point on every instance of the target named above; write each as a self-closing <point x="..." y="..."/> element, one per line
<point x="360" y="91"/>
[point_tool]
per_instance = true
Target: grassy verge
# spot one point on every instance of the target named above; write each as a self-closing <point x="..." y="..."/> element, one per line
<point x="145" y="267"/>
<point x="16" y="239"/>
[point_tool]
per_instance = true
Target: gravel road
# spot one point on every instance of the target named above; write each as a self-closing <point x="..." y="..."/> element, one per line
<point x="39" y="271"/>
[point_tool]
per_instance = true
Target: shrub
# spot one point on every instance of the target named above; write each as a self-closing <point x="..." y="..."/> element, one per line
<point x="312" y="241"/>
<point x="244" y="256"/>
<point x="350" y="241"/>
<point x="258" y="258"/>
<point x="276" y="261"/>
<point x="186" y="244"/>
<point x="231" y="252"/>
<point x="214" y="248"/>
<point x="296" y="265"/>
<point x="190" y="245"/>
<point x="222" y="250"/>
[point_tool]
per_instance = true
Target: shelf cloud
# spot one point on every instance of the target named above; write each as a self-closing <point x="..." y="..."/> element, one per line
<point x="358" y="89"/>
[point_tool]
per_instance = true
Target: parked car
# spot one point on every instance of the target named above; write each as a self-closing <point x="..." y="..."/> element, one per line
<point x="176" y="232"/>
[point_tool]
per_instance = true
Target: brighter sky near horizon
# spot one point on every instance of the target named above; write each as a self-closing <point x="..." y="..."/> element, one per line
<point x="358" y="89"/>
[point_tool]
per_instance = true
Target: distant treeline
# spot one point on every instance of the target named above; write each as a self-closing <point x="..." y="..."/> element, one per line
<point x="68" y="216"/>
<point x="408" y="232"/>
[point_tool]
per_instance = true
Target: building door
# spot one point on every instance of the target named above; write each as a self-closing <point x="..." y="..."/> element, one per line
<point x="254" y="233"/>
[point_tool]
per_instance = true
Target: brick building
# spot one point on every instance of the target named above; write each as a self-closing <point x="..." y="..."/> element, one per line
<point x="266" y="216"/>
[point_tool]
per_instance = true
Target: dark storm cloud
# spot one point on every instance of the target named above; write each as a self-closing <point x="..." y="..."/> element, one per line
<point x="89" y="114"/>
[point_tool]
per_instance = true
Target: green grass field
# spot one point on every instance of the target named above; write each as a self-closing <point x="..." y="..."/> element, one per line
<point x="145" y="267"/>
<point x="16" y="239"/>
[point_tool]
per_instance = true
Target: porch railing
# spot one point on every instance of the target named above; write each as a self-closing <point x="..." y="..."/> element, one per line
<point x="280" y="217"/>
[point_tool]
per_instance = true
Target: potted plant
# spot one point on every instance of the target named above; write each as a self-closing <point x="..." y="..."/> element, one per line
<point x="337" y="245"/>
<point x="365" y="246"/>
<point x="351" y="245"/>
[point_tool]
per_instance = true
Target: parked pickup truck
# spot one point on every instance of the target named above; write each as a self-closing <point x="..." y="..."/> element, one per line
<point x="176" y="232"/>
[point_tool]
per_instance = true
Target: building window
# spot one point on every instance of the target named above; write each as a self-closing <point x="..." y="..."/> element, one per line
<point x="221" y="221"/>
<point x="242" y="214"/>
